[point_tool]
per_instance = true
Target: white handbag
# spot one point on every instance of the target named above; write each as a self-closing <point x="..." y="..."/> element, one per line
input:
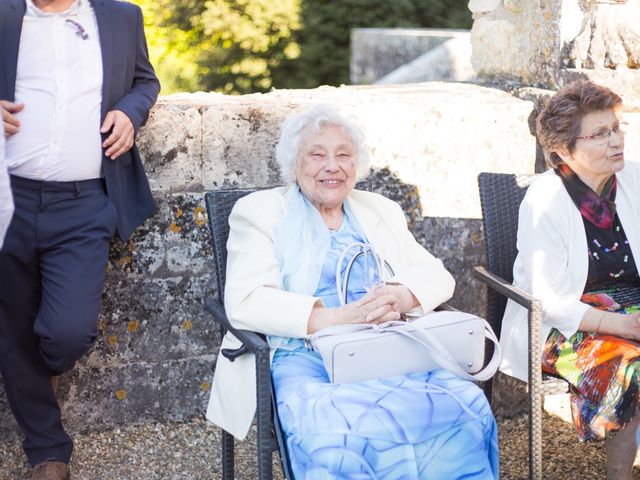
<point x="358" y="352"/>
<point x="451" y="340"/>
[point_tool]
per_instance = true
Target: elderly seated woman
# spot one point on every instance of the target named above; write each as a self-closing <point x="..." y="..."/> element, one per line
<point x="283" y="251"/>
<point x="578" y="238"/>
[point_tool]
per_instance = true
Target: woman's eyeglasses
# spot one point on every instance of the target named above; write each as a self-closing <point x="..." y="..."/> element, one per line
<point x="604" y="136"/>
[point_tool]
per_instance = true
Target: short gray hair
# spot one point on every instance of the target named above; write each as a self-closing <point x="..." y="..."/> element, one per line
<point x="309" y="121"/>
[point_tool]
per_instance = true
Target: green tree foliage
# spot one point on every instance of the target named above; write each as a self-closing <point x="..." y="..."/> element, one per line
<point x="230" y="46"/>
<point x="173" y="42"/>
<point x="243" y="46"/>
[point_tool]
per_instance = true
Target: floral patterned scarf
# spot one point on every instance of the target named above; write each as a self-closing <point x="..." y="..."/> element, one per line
<point x="600" y="210"/>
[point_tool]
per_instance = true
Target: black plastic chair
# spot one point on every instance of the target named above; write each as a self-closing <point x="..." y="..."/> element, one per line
<point x="500" y="198"/>
<point x="270" y="435"/>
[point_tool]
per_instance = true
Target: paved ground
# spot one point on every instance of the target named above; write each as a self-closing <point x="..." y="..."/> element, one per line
<point x="191" y="451"/>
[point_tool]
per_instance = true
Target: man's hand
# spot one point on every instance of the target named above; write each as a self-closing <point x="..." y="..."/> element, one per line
<point x="122" y="132"/>
<point x="10" y="122"/>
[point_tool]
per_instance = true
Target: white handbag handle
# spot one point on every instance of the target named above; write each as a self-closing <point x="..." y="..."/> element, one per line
<point x="340" y="287"/>
<point x="441" y="355"/>
<point x="366" y="249"/>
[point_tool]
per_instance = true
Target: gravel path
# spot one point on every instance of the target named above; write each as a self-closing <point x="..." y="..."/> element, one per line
<point x="191" y="451"/>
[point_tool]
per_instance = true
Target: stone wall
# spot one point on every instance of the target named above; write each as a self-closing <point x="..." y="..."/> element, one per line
<point x="550" y="42"/>
<point x="156" y="351"/>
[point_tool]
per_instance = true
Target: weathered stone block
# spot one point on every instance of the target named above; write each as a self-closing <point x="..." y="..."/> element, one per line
<point x="171" y="146"/>
<point x="515" y="6"/>
<point x="459" y="243"/>
<point x="179" y="225"/>
<point x="376" y="52"/>
<point x="536" y="43"/>
<point x="238" y="142"/>
<point x="495" y="47"/>
<point x="481" y="6"/>
<point x="163" y="321"/>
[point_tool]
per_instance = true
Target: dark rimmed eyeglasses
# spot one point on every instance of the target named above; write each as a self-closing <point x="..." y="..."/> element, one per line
<point x="604" y="135"/>
<point x="80" y="31"/>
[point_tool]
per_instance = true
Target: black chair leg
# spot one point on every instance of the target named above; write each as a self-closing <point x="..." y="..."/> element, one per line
<point x="265" y="457"/>
<point x="227" y="456"/>
<point x="487" y="387"/>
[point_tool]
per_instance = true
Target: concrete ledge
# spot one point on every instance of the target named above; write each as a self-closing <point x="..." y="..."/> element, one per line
<point x="449" y="61"/>
<point x="376" y="52"/>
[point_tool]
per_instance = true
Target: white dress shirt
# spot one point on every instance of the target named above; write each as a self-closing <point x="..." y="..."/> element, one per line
<point x="59" y="80"/>
<point x="6" y="199"/>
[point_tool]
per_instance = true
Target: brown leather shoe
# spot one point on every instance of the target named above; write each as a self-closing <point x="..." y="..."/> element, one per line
<point x="50" y="470"/>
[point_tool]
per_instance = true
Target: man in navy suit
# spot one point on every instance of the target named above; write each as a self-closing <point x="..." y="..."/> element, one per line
<point x="75" y="86"/>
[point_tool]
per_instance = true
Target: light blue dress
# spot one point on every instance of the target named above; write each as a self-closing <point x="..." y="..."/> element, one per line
<point x="431" y="425"/>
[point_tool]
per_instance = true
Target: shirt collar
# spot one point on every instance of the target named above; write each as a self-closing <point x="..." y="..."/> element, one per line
<point x="33" y="11"/>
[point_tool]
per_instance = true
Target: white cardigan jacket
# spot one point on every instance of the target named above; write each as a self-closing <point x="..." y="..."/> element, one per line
<point x="255" y="300"/>
<point x="552" y="262"/>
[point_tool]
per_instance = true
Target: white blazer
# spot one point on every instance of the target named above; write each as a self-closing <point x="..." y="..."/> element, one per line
<point x="552" y="262"/>
<point x="255" y="300"/>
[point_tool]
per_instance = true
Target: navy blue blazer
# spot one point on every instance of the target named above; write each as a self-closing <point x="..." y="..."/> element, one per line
<point x="129" y="84"/>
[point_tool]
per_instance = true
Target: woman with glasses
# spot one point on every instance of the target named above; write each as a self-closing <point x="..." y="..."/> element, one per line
<point x="578" y="248"/>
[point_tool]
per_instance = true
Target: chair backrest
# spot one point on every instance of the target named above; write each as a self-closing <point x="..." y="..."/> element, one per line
<point x="219" y="205"/>
<point x="500" y="198"/>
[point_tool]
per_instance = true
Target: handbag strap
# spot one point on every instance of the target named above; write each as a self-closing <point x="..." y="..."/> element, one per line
<point x="364" y="249"/>
<point x="441" y="355"/>
<point x="341" y="286"/>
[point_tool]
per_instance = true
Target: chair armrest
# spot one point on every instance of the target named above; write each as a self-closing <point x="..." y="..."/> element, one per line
<point x="255" y="343"/>
<point x="521" y="297"/>
<point x="534" y="308"/>
<point x="252" y="342"/>
<point x="503" y="287"/>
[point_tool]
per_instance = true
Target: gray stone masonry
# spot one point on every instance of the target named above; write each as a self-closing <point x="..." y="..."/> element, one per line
<point x="156" y="352"/>
<point x="549" y="43"/>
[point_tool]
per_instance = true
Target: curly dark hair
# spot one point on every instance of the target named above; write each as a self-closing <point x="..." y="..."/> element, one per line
<point x="559" y="122"/>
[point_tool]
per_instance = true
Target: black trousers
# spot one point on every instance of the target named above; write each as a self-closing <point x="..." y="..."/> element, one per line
<point x="52" y="270"/>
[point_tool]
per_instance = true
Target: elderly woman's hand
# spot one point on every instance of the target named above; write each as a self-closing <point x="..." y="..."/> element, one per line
<point x="405" y="301"/>
<point x="377" y="306"/>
